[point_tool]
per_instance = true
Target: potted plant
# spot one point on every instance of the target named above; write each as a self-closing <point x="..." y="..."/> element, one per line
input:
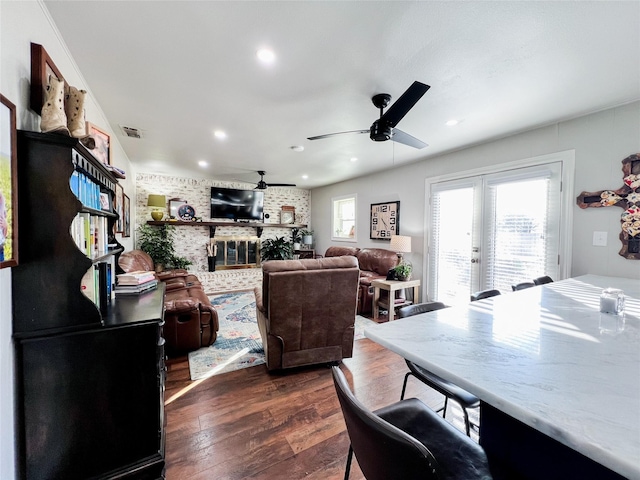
<point x="296" y="238"/>
<point x="157" y="242"/>
<point x="307" y="236"/>
<point x="403" y="271"/>
<point x="277" y="248"/>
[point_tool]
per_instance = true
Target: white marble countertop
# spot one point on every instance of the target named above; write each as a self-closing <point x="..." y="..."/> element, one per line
<point x="545" y="356"/>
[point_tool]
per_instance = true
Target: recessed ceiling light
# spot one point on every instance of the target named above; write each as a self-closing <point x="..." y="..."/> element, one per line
<point x="305" y="176"/>
<point x="452" y="123"/>
<point x="354" y="159"/>
<point x="297" y="148"/>
<point x="220" y="134"/>
<point x="202" y="163"/>
<point x="266" y="55"/>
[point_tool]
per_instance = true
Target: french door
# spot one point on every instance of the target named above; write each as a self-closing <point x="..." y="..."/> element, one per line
<point x="493" y="230"/>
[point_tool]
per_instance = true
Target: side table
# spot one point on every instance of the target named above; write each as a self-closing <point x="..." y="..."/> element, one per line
<point x="392" y="286"/>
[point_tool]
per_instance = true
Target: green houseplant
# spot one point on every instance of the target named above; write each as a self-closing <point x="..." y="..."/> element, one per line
<point x="157" y="242"/>
<point x="307" y="236"/>
<point x="403" y="271"/>
<point x="277" y="248"/>
<point x="296" y="238"/>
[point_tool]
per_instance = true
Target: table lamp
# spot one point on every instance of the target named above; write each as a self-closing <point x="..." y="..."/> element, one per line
<point x="157" y="201"/>
<point x="400" y="244"/>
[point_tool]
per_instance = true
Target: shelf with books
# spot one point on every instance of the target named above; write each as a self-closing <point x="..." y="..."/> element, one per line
<point x="66" y="319"/>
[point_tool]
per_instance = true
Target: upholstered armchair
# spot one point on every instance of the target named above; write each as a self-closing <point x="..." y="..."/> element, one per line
<point x="191" y="321"/>
<point x="134" y="260"/>
<point x="306" y="310"/>
<point x="374" y="264"/>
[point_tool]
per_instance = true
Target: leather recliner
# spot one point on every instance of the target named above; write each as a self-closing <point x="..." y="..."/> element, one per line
<point x="374" y="264"/>
<point x="191" y="321"/>
<point x="306" y="310"/>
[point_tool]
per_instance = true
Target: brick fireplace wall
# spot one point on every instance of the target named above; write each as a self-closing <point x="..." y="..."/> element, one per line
<point x="191" y="241"/>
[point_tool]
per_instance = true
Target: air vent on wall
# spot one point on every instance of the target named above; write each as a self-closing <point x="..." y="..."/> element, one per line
<point x="131" y="132"/>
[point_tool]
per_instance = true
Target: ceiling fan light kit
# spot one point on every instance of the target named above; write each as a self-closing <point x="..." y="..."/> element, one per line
<point x="384" y="129"/>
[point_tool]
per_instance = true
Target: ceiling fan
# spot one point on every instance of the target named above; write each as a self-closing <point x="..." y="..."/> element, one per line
<point x="384" y="129"/>
<point x="262" y="185"/>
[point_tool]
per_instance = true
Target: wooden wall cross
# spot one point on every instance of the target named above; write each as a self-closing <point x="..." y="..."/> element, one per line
<point x="626" y="197"/>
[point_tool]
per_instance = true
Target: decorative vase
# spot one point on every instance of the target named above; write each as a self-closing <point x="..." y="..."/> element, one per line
<point x="296" y="246"/>
<point x="307" y="239"/>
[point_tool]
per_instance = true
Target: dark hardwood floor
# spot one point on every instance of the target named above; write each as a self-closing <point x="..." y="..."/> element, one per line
<point x="253" y="424"/>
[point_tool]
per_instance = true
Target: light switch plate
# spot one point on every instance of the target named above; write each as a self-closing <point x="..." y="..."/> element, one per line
<point x="599" y="239"/>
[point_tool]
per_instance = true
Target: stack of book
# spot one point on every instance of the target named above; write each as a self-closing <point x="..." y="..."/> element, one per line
<point x="135" y="282"/>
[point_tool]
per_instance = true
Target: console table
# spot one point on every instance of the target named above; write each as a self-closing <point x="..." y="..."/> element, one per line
<point x="392" y="286"/>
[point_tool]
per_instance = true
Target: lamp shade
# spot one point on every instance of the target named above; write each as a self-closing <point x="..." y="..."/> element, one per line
<point x="157" y="201"/>
<point x="400" y="244"/>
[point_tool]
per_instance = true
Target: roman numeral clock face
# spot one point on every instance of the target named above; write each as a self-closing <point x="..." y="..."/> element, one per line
<point x="385" y="220"/>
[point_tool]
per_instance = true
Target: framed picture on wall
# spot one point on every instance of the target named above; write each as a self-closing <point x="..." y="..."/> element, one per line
<point x="119" y="208"/>
<point x="102" y="150"/>
<point x="41" y="68"/>
<point x="126" y="207"/>
<point x="174" y="206"/>
<point x="8" y="185"/>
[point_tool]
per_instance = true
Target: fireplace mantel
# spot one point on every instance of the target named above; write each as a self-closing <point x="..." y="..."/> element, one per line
<point x="259" y="226"/>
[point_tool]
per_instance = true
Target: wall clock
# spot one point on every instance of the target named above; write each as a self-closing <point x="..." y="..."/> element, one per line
<point x="385" y="220"/>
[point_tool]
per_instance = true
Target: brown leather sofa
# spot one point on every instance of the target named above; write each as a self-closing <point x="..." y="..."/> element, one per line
<point x="191" y="321"/>
<point x="306" y="310"/>
<point x="374" y="264"/>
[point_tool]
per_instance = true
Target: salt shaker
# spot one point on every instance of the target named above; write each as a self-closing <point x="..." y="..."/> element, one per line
<point x="612" y="301"/>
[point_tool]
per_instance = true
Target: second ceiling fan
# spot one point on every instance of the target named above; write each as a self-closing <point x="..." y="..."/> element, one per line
<point x="262" y="185"/>
<point x="384" y="129"/>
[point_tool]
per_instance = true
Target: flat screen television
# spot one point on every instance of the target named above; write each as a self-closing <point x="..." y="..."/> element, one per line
<point x="237" y="204"/>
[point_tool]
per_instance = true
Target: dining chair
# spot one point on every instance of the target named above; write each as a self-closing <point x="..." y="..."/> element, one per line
<point x="522" y="286"/>
<point x="542" y="280"/>
<point x="449" y="390"/>
<point x="482" y="294"/>
<point x="406" y="440"/>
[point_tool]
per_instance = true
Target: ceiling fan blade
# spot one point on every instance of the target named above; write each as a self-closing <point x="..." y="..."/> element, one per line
<point x="401" y="107"/>
<point x="319" y="137"/>
<point x="406" y="139"/>
<point x="281" y="184"/>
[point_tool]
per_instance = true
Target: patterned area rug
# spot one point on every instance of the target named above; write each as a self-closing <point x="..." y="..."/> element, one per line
<point x="238" y="344"/>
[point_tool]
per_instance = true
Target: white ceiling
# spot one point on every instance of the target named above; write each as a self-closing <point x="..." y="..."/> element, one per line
<point x="180" y="70"/>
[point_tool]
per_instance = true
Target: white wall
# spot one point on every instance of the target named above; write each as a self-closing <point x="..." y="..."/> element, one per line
<point x="20" y="24"/>
<point x="601" y="141"/>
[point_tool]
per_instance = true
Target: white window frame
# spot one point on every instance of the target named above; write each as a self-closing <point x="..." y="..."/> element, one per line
<point x="567" y="159"/>
<point x="334" y="227"/>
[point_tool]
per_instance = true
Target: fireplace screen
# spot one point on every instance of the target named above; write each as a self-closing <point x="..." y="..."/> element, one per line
<point x="237" y="252"/>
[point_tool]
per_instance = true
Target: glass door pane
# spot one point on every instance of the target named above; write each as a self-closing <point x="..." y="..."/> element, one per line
<point x="451" y="271"/>
<point x="521" y="225"/>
